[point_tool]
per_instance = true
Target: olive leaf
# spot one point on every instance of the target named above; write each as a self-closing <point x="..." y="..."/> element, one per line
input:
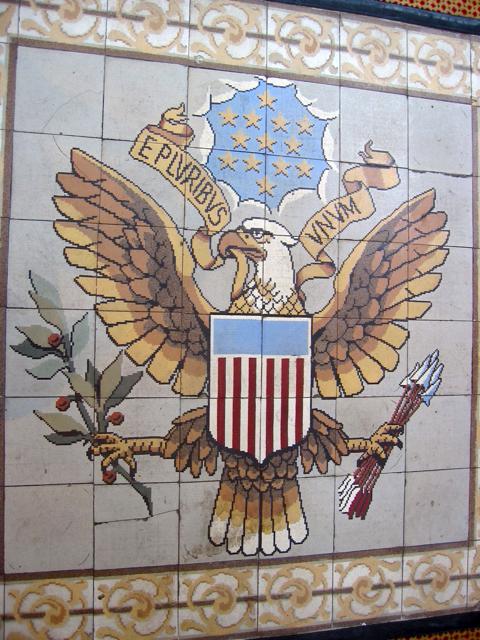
<point x="45" y="289"/>
<point x="110" y="379"/>
<point x="62" y="438"/>
<point x="37" y="334"/>
<point x="83" y="387"/>
<point x="62" y="423"/>
<point x="122" y="390"/>
<point x="53" y="316"/>
<point x="27" y="348"/>
<point x="79" y="335"/>
<point x="93" y="375"/>
<point x="47" y="369"/>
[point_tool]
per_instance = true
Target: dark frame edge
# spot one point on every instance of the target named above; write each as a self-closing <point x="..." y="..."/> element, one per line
<point x="392" y="630"/>
<point x="400" y="13"/>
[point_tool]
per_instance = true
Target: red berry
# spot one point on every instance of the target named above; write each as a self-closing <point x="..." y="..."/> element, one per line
<point x="116" y="418"/>
<point x="54" y="339"/>
<point x="109" y="476"/>
<point x="62" y="403"/>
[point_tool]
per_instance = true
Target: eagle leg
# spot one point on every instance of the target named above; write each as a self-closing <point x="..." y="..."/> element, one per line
<point x="386" y="436"/>
<point x="187" y="442"/>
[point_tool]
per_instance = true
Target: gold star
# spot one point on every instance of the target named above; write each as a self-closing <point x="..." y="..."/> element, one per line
<point x="266" y="100"/>
<point x="228" y="117"/>
<point x="252" y="163"/>
<point x="293" y="145"/>
<point x="280" y="123"/>
<point x="265" y="186"/>
<point x="304" y="169"/>
<point x="239" y="140"/>
<point x="304" y="125"/>
<point x="266" y="142"/>
<point x="228" y="160"/>
<point x="281" y="167"/>
<point x="252" y="119"/>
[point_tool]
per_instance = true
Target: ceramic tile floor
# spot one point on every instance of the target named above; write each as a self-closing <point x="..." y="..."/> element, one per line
<point x="188" y="212"/>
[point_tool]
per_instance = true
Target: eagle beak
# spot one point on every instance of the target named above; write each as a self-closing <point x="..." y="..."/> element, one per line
<point x="234" y="242"/>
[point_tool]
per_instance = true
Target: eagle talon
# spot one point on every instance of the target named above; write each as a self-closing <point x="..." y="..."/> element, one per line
<point x="113" y="448"/>
<point x="385" y="437"/>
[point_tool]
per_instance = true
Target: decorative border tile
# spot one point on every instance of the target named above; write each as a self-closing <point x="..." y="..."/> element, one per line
<point x="434" y="581"/>
<point x="295" y="595"/>
<point x="218" y="601"/>
<point x="367" y="588"/>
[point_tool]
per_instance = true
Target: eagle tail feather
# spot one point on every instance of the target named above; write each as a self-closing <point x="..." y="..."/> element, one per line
<point x="253" y="515"/>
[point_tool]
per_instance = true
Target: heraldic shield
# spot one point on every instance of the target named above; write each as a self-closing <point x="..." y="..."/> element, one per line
<point x="260" y="382"/>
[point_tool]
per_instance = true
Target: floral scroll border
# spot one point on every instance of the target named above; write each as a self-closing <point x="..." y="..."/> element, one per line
<point x="273" y="596"/>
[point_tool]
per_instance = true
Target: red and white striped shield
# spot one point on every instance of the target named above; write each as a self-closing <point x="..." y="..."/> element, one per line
<point x="260" y="382"/>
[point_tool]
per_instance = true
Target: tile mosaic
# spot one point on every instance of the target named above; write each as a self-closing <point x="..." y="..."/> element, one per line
<point x="447" y="420"/>
<point x="452" y="297"/>
<point x="124" y="534"/>
<point x="435" y="580"/>
<point x="307" y="467"/>
<point x="306" y="188"/>
<point x="37" y="158"/>
<point x="373" y="52"/>
<point x="118" y="600"/>
<point x="440" y="136"/>
<point x="436" y="506"/>
<point x="9" y="16"/>
<point x="236" y="40"/>
<point x="439" y="63"/>
<point x="213" y="465"/>
<point x="48" y="528"/>
<point x="41" y="464"/>
<point x="384" y="295"/>
<point x="367" y="587"/>
<point x="144" y="422"/>
<point x="380" y="116"/>
<point x="473" y="593"/>
<point x="84" y="25"/>
<point x="59" y="92"/>
<point x="163" y="203"/>
<point x="303" y="43"/>
<point x="138" y="349"/>
<point x="475" y="57"/>
<point x="39" y="241"/>
<point x="160" y="28"/>
<point x="302" y="119"/>
<point x="41" y="354"/>
<point x="392" y="196"/>
<point x="135" y="87"/>
<point x="454" y="196"/>
<point x="197" y="502"/>
<point x="295" y="596"/>
<point x="32" y="605"/>
<point x="224" y="589"/>
<point x="383" y="525"/>
<point x="361" y="417"/>
<point x="201" y="591"/>
<point x="228" y="112"/>
<point x="318" y="504"/>
<point x="454" y="340"/>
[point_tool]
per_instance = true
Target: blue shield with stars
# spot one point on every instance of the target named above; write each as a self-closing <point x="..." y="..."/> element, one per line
<point x="267" y="143"/>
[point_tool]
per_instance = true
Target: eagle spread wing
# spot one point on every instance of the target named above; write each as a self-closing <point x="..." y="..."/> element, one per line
<point x="356" y="337"/>
<point x="143" y="268"/>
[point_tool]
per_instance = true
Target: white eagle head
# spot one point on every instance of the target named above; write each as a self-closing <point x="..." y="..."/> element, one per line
<point x="267" y="244"/>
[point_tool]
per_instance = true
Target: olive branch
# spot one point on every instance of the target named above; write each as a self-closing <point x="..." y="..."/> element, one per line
<point x="94" y="394"/>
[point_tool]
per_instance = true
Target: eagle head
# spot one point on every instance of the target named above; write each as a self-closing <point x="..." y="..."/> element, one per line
<point x="267" y="245"/>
